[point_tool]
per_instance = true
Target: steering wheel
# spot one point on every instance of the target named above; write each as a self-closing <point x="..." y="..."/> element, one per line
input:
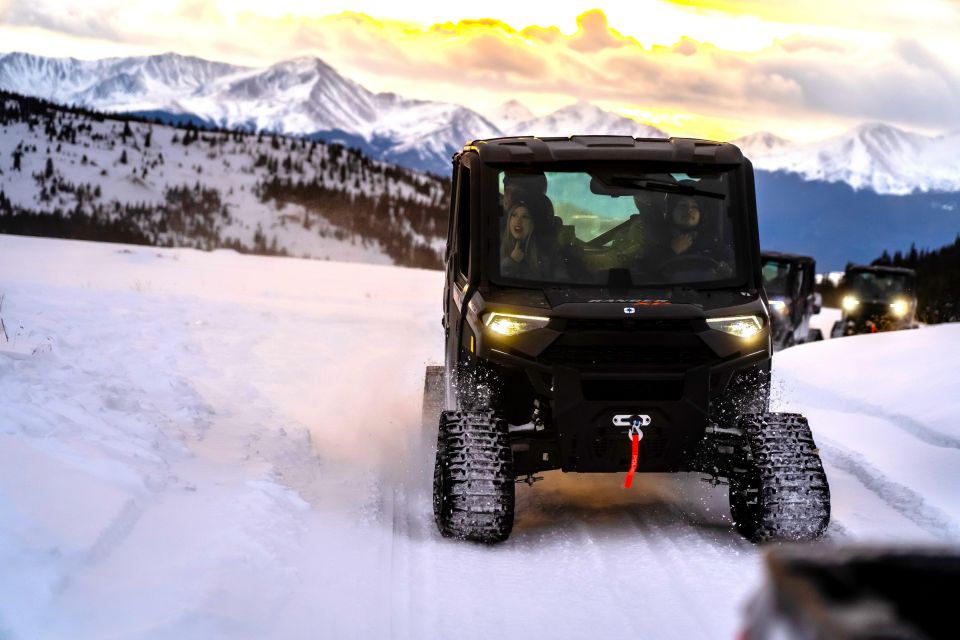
<point x="689" y="262"/>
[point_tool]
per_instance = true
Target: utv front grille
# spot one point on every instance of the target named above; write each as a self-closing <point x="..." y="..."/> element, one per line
<point x="654" y="357"/>
<point x="632" y="390"/>
<point x="873" y="310"/>
<point x="629" y="325"/>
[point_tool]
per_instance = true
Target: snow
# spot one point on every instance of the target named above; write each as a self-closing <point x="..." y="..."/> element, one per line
<point x="205" y="445"/>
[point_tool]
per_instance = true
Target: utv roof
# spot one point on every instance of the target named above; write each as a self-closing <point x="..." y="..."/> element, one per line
<point x="785" y="257"/>
<point x="530" y="149"/>
<point x="881" y="269"/>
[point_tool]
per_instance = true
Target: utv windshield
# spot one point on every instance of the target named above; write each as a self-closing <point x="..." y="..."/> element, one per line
<point x="619" y="227"/>
<point x="776" y="278"/>
<point x="878" y="285"/>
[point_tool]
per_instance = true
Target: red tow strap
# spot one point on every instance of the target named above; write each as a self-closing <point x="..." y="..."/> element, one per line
<point x="634" y="454"/>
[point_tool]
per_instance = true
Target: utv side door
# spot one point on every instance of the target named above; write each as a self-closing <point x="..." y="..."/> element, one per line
<point x="803" y="308"/>
<point x="457" y="268"/>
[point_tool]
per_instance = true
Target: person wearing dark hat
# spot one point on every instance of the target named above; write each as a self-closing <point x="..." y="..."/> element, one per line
<point x="684" y="217"/>
<point x="686" y="234"/>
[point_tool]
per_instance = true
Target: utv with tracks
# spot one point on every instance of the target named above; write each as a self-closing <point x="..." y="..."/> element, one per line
<point x="876" y="299"/>
<point x="788" y="282"/>
<point x="604" y="312"/>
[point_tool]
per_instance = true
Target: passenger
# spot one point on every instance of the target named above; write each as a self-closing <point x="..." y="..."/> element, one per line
<point x="527" y="246"/>
<point x="646" y="226"/>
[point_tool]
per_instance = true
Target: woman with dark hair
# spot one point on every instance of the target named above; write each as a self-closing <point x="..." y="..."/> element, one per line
<point x="524" y="252"/>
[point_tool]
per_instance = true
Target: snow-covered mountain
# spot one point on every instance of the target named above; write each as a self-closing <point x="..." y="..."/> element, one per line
<point x="303" y="96"/>
<point x="872" y="156"/>
<point x="112" y="84"/>
<point x="584" y="118"/>
<point x="306" y="96"/>
<point x="510" y="114"/>
<point x="762" y="143"/>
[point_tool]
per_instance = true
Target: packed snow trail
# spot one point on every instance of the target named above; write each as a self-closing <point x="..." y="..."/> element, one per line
<point x="202" y="445"/>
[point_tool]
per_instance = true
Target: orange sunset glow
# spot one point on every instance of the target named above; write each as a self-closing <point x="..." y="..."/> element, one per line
<point x="711" y="68"/>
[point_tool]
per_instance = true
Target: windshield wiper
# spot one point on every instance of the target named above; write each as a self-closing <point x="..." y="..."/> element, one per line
<point x="669" y="187"/>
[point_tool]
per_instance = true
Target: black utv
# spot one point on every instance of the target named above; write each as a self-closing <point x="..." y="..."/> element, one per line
<point x="604" y="313"/>
<point x="877" y="299"/>
<point x="788" y="281"/>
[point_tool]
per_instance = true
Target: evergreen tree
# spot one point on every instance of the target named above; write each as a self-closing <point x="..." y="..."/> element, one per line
<point x="123" y="157"/>
<point x="48" y="170"/>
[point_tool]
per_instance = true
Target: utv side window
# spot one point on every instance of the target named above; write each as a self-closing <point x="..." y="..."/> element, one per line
<point x="463" y="221"/>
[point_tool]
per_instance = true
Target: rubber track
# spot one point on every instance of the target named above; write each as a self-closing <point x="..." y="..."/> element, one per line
<point x="474" y="488"/>
<point x="783" y="493"/>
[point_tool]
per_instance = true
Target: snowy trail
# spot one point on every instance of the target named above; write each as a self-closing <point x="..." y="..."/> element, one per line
<point x="210" y="445"/>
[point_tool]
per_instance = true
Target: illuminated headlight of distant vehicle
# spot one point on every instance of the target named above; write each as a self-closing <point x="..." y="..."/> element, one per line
<point x="899" y="307"/>
<point x="508" y="324"/>
<point x="778" y="306"/>
<point x="850" y="303"/>
<point x="741" y="326"/>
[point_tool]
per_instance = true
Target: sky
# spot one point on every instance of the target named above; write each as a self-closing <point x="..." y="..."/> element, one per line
<point x="710" y="68"/>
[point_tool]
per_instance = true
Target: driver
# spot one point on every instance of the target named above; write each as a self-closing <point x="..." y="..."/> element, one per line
<point x="683" y="220"/>
<point x="684" y="234"/>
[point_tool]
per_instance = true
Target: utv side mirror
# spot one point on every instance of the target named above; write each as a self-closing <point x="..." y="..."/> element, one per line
<point x="817" y="303"/>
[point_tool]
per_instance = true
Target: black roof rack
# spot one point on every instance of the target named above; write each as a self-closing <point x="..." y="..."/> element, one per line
<point x="531" y="149"/>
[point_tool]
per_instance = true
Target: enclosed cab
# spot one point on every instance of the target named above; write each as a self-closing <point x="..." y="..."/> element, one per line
<point x="877" y="299"/>
<point x="604" y="312"/>
<point x="788" y="281"/>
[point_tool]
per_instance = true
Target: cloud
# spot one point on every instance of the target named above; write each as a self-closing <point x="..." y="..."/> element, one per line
<point x="686" y="46"/>
<point x="594" y="33"/>
<point x="489" y="53"/>
<point x="798" y="77"/>
<point x="93" y="21"/>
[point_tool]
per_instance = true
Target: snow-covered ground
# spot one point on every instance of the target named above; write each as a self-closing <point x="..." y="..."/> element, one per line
<point x="207" y="445"/>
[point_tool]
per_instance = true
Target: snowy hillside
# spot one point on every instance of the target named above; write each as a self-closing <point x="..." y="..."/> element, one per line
<point x="75" y="174"/>
<point x="872" y="156"/>
<point x="209" y="445"/>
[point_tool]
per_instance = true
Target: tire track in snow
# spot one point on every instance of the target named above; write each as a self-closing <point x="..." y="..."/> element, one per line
<point x="111" y="537"/>
<point x="912" y="426"/>
<point x="699" y="556"/>
<point x="900" y="498"/>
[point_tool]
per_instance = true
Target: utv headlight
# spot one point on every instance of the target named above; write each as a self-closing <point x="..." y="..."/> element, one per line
<point x="899" y="307"/>
<point x="778" y="306"/>
<point x="850" y="303"/>
<point x="508" y="324"/>
<point x="741" y="326"/>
